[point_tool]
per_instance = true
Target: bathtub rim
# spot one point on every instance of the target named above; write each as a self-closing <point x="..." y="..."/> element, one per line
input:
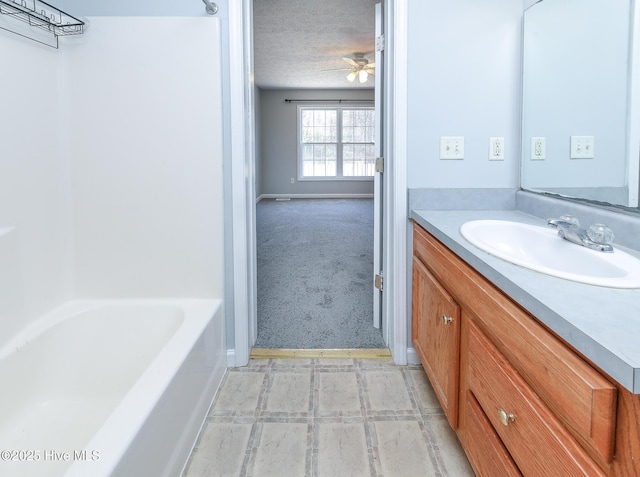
<point x="135" y="406"/>
<point x="69" y="309"/>
<point x="113" y="439"/>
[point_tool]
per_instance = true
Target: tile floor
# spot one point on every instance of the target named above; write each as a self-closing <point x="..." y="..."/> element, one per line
<point x="327" y="418"/>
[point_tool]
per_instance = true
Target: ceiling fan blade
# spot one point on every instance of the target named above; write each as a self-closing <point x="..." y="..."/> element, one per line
<point x="339" y="69"/>
<point x="350" y="61"/>
<point x="371" y="65"/>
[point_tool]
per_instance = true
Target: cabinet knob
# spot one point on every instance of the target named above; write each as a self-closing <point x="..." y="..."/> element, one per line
<point x="447" y="319"/>
<point x="506" y="417"/>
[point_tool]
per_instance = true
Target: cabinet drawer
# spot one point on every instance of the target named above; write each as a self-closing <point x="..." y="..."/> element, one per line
<point x="537" y="441"/>
<point x="436" y="338"/>
<point x="579" y="396"/>
<point x="486" y="452"/>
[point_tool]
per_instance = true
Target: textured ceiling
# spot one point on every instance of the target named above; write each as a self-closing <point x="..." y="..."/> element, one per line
<point x="296" y="41"/>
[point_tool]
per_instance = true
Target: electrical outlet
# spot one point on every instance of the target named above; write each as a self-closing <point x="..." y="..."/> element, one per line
<point x="293" y="181"/>
<point x="538" y="148"/>
<point x="452" y="147"/>
<point x="582" y="147"/>
<point x="496" y="149"/>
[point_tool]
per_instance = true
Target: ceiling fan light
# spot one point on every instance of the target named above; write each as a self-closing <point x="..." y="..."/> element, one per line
<point x="363" y="76"/>
<point x="352" y="76"/>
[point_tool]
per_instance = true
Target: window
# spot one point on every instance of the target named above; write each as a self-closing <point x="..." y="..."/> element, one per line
<point x="336" y="142"/>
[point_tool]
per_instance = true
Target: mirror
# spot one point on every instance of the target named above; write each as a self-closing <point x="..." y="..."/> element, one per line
<point x="580" y="133"/>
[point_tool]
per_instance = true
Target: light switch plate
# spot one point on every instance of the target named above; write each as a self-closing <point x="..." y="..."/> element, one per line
<point x="452" y="147"/>
<point x="582" y="147"/>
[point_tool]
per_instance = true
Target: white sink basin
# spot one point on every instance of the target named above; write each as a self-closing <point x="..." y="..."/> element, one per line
<point x="540" y="249"/>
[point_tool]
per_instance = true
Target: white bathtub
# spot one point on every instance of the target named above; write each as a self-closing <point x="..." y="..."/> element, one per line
<point x="109" y="388"/>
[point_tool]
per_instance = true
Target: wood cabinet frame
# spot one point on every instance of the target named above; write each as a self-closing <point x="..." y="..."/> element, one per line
<point x="601" y="417"/>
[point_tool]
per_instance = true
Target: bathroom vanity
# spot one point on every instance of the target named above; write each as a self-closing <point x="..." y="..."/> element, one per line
<point x="522" y="363"/>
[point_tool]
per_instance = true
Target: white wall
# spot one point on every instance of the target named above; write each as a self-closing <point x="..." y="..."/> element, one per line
<point x="192" y="8"/>
<point x="464" y="80"/>
<point x="145" y="135"/>
<point x="278" y="161"/>
<point x="111" y="165"/>
<point x="35" y="258"/>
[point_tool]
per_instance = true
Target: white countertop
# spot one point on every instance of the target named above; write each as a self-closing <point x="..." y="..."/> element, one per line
<point x="601" y="323"/>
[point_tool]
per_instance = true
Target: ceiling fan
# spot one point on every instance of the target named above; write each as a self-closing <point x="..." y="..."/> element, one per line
<point x="359" y="67"/>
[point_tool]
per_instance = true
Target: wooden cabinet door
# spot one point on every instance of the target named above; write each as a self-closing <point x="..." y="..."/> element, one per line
<point x="436" y="337"/>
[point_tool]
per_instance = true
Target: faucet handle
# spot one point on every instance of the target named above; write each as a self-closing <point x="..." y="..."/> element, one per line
<point x="601" y="234"/>
<point x="570" y="219"/>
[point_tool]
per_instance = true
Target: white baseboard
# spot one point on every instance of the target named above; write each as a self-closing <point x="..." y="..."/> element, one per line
<point x="231" y="358"/>
<point x="412" y="356"/>
<point x="314" y="196"/>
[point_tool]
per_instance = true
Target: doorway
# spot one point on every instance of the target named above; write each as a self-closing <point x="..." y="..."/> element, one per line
<point x="280" y="173"/>
<point x="240" y="198"/>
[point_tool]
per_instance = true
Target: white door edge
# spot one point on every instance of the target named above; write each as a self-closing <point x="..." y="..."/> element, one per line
<point x="378" y="191"/>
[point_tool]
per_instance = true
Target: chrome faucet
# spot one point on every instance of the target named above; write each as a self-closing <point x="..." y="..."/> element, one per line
<point x="597" y="237"/>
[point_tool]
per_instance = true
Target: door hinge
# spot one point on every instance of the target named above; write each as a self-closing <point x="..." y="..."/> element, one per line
<point x="377" y="281"/>
<point x="380" y="43"/>
<point x="380" y="164"/>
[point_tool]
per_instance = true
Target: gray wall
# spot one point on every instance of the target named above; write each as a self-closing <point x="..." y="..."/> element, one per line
<point x="464" y="80"/>
<point x="277" y="162"/>
<point x="257" y="92"/>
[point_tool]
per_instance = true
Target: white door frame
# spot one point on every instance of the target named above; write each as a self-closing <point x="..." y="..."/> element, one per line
<point x="241" y="115"/>
<point x="395" y="198"/>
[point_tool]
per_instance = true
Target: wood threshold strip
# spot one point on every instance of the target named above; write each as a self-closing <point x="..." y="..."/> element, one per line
<point x="360" y="353"/>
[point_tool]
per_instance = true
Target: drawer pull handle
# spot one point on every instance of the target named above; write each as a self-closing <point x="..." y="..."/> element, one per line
<point x="447" y="319"/>
<point x="505" y="416"/>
